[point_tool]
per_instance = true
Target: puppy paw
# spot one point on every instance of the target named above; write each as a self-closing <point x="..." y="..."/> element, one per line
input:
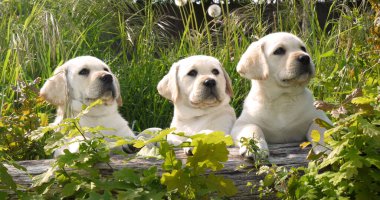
<point x="188" y="151"/>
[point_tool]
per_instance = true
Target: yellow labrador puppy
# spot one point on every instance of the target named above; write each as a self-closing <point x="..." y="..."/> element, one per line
<point x="200" y="90"/>
<point x="81" y="81"/>
<point x="279" y="108"/>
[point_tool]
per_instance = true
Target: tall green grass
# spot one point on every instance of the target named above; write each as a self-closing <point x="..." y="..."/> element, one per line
<point x="137" y="41"/>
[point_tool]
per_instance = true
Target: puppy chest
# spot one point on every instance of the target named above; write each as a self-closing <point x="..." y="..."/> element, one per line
<point x="281" y="129"/>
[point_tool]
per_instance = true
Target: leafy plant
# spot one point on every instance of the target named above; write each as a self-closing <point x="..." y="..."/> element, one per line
<point x="19" y="119"/>
<point x="7" y="184"/>
<point x="75" y="174"/>
<point x="76" y="177"/>
<point x="196" y="178"/>
<point x="352" y="168"/>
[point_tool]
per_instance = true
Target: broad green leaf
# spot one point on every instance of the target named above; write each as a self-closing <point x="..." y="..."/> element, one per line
<point x="177" y="179"/>
<point x="212" y="138"/>
<point x="208" y="155"/>
<point x="44" y="187"/>
<point x="338" y="177"/>
<point x="67" y="159"/>
<point x="129" y="194"/>
<point x="69" y="189"/>
<point x="268" y="180"/>
<point x="369" y="128"/>
<point x="139" y="143"/>
<point x="149" y="176"/>
<point x="43" y="178"/>
<point x="223" y="186"/>
<point x="171" y="162"/>
<point x="6" y="178"/>
<point x="128" y="175"/>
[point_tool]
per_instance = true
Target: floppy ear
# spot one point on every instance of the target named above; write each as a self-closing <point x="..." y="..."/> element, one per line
<point x="253" y="63"/>
<point x="54" y="90"/>
<point x="119" y="101"/>
<point x="168" y="86"/>
<point x="229" y="90"/>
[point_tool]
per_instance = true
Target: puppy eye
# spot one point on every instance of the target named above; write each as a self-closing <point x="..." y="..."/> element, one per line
<point x="279" y="51"/>
<point x="303" y="49"/>
<point x="105" y="69"/>
<point x="84" y="71"/>
<point x="215" y="71"/>
<point x="192" y="73"/>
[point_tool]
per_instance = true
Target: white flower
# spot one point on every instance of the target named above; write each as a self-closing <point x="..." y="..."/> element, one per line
<point x="180" y="2"/>
<point x="214" y="10"/>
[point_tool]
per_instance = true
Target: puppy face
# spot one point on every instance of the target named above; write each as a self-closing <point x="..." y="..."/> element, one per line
<point x="85" y="79"/>
<point x="198" y="81"/>
<point x="278" y="56"/>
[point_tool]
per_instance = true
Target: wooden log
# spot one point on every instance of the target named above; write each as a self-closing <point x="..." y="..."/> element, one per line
<point x="290" y="155"/>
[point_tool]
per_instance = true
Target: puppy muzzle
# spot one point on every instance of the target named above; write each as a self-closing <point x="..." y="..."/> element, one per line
<point x="107" y="86"/>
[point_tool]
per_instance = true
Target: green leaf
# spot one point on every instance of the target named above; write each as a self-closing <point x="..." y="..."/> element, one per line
<point x="139" y="143"/>
<point x="224" y="187"/>
<point x="67" y="159"/>
<point x="376" y="122"/>
<point x="362" y="100"/>
<point x="212" y="138"/>
<point x="170" y="162"/>
<point x="127" y="174"/>
<point x="315" y="136"/>
<point x="129" y="194"/>
<point x="208" y="155"/>
<point x="328" y="54"/>
<point x="6" y="178"/>
<point x="149" y="176"/>
<point x="3" y="195"/>
<point x="312" y="156"/>
<point x="43" y="178"/>
<point x="304" y="144"/>
<point x="323" y="123"/>
<point x="69" y="189"/>
<point x="157" y="138"/>
<point x="269" y="180"/>
<point x="374" y="160"/>
<point x="44" y="187"/>
<point x="177" y="179"/>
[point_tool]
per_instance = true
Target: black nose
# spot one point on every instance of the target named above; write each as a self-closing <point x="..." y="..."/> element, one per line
<point x="304" y="59"/>
<point x="106" y="78"/>
<point x="209" y="83"/>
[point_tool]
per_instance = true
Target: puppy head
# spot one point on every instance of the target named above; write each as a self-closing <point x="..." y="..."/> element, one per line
<point x="199" y="81"/>
<point x="83" y="78"/>
<point x="278" y="56"/>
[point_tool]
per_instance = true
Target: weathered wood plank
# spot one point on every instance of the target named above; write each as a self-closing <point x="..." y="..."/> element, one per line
<point x="280" y="154"/>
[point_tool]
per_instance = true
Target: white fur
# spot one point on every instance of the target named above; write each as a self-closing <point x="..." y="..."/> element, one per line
<point x="195" y="111"/>
<point x="69" y="91"/>
<point x="279" y="108"/>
